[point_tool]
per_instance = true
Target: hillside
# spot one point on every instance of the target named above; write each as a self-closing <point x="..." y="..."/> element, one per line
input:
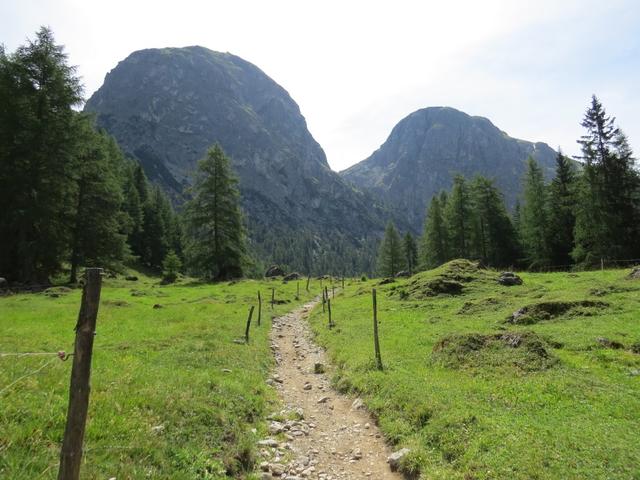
<point x="427" y="148"/>
<point x="165" y="107"/>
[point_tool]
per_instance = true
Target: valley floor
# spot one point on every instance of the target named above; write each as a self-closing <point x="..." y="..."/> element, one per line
<point x="471" y="390"/>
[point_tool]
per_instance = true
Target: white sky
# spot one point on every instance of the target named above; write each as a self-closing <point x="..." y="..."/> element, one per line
<point x="356" y="68"/>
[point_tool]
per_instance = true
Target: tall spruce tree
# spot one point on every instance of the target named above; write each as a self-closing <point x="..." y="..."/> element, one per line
<point x="562" y="204"/>
<point x="534" y="217"/>
<point x="433" y="246"/>
<point x="410" y="250"/>
<point x="38" y="90"/>
<point x="97" y="236"/>
<point x="607" y="217"/>
<point x="457" y="216"/>
<point x="390" y="256"/>
<point x="495" y="241"/>
<point x="215" y="237"/>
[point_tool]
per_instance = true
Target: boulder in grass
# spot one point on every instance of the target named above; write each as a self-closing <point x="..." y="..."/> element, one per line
<point x="131" y="278"/>
<point x="509" y="279"/>
<point x="396" y="457"/>
<point x="3" y="282"/>
<point x="292" y="276"/>
<point x="635" y="273"/>
<point x="274" y="271"/>
<point x="403" y="274"/>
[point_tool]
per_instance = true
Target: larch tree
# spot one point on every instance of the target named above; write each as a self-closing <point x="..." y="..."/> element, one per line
<point x="390" y="256"/>
<point x="410" y="250"/>
<point x="38" y="90"/>
<point x="457" y="216"/>
<point x="534" y="217"/>
<point x="433" y="245"/>
<point x="215" y="234"/>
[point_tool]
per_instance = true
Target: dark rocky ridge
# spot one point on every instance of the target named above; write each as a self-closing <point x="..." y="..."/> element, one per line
<point x="427" y="148"/>
<point x="166" y="106"/>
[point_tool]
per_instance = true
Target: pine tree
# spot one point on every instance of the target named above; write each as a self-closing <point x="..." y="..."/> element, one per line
<point x="433" y="247"/>
<point x="171" y="266"/>
<point x="534" y="217"/>
<point x="215" y="237"/>
<point x="562" y="219"/>
<point x="458" y="219"/>
<point x="97" y="237"/>
<point x="410" y="250"/>
<point x="390" y="257"/>
<point x="38" y="91"/>
<point x="155" y="242"/>
<point x="495" y="240"/>
<point x="607" y="217"/>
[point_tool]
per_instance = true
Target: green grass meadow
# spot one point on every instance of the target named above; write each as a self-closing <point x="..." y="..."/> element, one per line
<point x="163" y="404"/>
<point x="487" y="415"/>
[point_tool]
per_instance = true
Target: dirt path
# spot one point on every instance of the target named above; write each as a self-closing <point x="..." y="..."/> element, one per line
<point x="334" y="439"/>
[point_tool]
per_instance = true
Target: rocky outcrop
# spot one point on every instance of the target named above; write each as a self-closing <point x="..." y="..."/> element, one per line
<point x="427" y="148"/>
<point x="165" y="107"/>
<point x="509" y="279"/>
<point x="274" y="271"/>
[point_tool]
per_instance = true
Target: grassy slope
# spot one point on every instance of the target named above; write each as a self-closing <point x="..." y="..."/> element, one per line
<point x="578" y="419"/>
<point x="151" y="368"/>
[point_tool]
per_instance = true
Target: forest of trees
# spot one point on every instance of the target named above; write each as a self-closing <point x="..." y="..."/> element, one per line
<point x="69" y="196"/>
<point x="586" y="215"/>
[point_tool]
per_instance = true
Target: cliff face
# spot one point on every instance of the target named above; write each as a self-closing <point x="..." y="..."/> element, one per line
<point x="165" y="107"/>
<point x="427" y="148"/>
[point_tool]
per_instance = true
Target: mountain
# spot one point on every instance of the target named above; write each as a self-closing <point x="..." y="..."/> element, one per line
<point x="427" y="148"/>
<point x="165" y="107"/>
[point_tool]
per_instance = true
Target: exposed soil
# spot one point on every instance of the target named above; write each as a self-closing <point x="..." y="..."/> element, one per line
<point x="333" y="436"/>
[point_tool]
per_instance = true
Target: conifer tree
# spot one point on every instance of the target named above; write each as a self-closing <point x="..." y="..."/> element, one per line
<point x="38" y="91"/>
<point x="410" y="250"/>
<point x="155" y="238"/>
<point x="433" y="247"/>
<point x="458" y="219"/>
<point x="390" y="256"/>
<point x="562" y="204"/>
<point x="607" y="216"/>
<point x="534" y="217"/>
<point x="97" y="238"/>
<point x="215" y="237"/>
<point x="495" y="241"/>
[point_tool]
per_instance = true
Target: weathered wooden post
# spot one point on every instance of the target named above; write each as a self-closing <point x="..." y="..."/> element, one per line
<point x="71" y="453"/>
<point x="329" y="309"/>
<point x="308" y="279"/>
<point x="298" y="290"/>
<point x="323" y="301"/>
<point x="343" y="282"/>
<point x="333" y="291"/>
<point x="246" y="332"/>
<point x="273" y="297"/>
<point x="376" y="340"/>
<point x="259" y="308"/>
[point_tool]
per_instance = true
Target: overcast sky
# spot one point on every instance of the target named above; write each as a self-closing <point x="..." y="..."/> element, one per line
<point x="358" y="67"/>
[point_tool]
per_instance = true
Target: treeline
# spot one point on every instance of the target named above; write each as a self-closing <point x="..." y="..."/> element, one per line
<point x="587" y="214"/>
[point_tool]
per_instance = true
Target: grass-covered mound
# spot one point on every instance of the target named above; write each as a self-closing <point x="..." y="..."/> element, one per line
<point x="172" y="395"/>
<point x="526" y="351"/>
<point x="449" y="279"/>
<point x="538" y="312"/>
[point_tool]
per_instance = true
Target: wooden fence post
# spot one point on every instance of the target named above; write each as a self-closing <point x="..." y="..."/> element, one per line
<point x="71" y="453"/>
<point x="343" y="282"/>
<point x="259" y="308"/>
<point x="246" y="332"/>
<point x="308" y="278"/>
<point x="329" y="309"/>
<point x="273" y="297"/>
<point x="333" y="291"/>
<point x="298" y="290"/>
<point x="323" y="301"/>
<point x="376" y="340"/>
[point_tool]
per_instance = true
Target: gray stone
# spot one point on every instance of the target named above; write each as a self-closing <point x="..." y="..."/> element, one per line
<point x="274" y="271"/>
<point x="396" y="457"/>
<point x="509" y="279"/>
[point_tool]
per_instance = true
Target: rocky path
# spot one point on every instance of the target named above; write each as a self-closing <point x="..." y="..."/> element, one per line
<point x="321" y="434"/>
